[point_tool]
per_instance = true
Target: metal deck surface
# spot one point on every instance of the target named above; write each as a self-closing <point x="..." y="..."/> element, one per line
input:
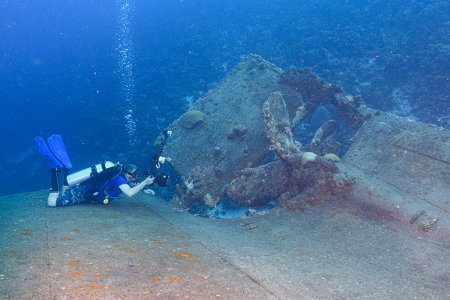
<point x="140" y="248"/>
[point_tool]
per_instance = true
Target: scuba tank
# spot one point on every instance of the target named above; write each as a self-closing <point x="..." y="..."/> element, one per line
<point x="85" y="174"/>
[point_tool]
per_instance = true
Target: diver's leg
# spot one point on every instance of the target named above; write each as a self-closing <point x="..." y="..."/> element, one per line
<point x="71" y="196"/>
<point x="54" y="185"/>
<point x="54" y="165"/>
<point x="54" y="188"/>
<point x="58" y="150"/>
<point x="65" y="183"/>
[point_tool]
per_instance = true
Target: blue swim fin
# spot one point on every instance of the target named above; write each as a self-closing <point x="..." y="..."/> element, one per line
<point x="58" y="150"/>
<point x="43" y="149"/>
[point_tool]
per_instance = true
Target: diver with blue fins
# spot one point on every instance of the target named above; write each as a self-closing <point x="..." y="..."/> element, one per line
<point x="98" y="184"/>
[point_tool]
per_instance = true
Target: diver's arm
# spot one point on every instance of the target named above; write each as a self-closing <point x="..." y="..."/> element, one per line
<point x="130" y="192"/>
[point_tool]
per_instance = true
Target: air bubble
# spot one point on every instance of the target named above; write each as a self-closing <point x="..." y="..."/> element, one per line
<point x="125" y="63"/>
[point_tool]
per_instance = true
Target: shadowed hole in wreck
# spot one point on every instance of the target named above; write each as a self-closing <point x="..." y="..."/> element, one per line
<point x="305" y="131"/>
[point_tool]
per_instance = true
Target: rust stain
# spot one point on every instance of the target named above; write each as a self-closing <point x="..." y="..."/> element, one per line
<point x="74" y="263"/>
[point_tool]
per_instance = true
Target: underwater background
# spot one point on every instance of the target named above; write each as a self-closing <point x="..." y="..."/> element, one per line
<point x="109" y="76"/>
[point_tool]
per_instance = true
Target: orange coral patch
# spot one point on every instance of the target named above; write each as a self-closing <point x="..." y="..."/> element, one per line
<point x="184" y="255"/>
<point x="66" y="239"/>
<point x="132" y="251"/>
<point x="198" y="277"/>
<point x="109" y="267"/>
<point x="77" y="274"/>
<point x="78" y="287"/>
<point x="94" y="287"/>
<point x="98" y="275"/>
<point x="111" y="288"/>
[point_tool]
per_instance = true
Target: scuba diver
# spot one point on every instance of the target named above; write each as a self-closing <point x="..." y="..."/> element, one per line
<point x="99" y="184"/>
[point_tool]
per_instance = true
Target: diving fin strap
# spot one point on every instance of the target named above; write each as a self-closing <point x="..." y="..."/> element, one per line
<point x="58" y="149"/>
<point x="43" y="149"/>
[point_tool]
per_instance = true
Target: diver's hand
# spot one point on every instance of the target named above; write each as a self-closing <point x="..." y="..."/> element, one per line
<point x="149" y="180"/>
<point x="149" y="191"/>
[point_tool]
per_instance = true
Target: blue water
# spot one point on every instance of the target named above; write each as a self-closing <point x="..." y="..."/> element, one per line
<point x="110" y="75"/>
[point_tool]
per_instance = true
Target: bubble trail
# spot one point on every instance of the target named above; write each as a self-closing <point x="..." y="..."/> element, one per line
<point x="125" y="64"/>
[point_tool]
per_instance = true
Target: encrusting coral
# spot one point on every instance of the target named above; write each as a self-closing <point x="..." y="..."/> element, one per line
<point x="193" y="119"/>
<point x="311" y="178"/>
